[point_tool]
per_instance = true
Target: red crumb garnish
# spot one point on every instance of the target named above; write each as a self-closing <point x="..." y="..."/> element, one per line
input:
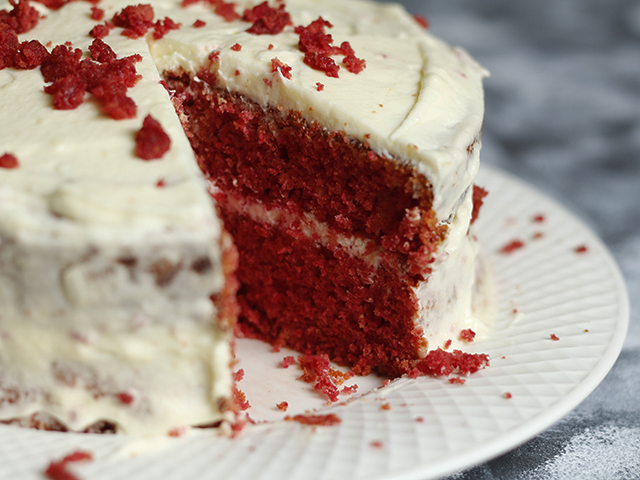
<point x="581" y="249"/>
<point x="240" y="399"/>
<point x="99" y="31"/>
<point x="419" y="419"/>
<point x="68" y="92"/>
<point x="507" y="395"/>
<point x="458" y="380"/>
<point x="377" y="444"/>
<point x="350" y="390"/>
<point x="101" y="52"/>
<point x="270" y="47"/>
<point x="237" y="47"/>
<point x="161" y="183"/>
<point x="422" y="21"/>
<point x="322" y="62"/>
<point x="538" y="219"/>
<point x="266" y="20"/>
<point x="326" y="420"/>
<point x="237" y="72"/>
<point x="512" y="246"/>
<point x="226" y="10"/>
<point x="214" y="56"/>
<point x="385" y="406"/>
<point x="287" y="361"/>
<point x="386" y="382"/>
<point x="467" y="335"/>
<point x="285" y="69"/>
<point x="136" y="20"/>
<point x="478" y="199"/>
<point x="554" y="337"/>
<point x="267" y="82"/>
<point x="283" y="406"/>
<point x="9" y="45"/>
<point x="199" y="24"/>
<point x="97" y="14"/>
<point x="125" y="398"/>
<point x="317" y="368"/>
<point x="9" y="161"/>
<point x="448" y="344"/>
<point x="162" y="27"/>
<point x="319" y="86"/>
<point x="239" y="375"/>
<point x="152" y="142"/>
<point x="57" y="470"/>
<point x="515" y="310"/>
<point x="21" y="18"/>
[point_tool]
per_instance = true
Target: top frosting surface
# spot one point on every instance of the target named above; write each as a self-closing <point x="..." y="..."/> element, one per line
<point x="417" y="99"/>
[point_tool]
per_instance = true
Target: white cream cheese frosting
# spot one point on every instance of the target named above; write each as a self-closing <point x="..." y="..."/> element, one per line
<point x="96" y="261"/>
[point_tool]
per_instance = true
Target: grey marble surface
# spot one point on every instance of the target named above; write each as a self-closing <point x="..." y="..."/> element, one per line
<point x="563" y="113"/>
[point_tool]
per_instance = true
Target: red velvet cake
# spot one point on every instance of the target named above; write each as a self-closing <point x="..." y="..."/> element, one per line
<point x="340" y="141"/>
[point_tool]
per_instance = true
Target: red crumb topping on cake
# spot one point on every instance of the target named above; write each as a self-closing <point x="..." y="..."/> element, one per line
<point x="458" y="380"/>
<point x="161" y="183"/>
<point x="581" y="249"/>
<point x="422" y="21"/>
<point x="125" y="398"/>
<point x="199" y="24"/>
<point x="283" y="406"/>
<point x="240" y="399"/>
<point x="57" y="470"/>
<point x="448" y="344"/>
<point x="440" y="363"/>
<point x="385" y="406"/>
<point x="350" y="389"/>
<point x="538" y="218"/>
<point x="266" y="20"/>
<point x="317" y="368"/>
<point x="467" y="335"/>
<point x="326" y="420"/>
<point x="224" y="9"/>
<point x="136" y="20"/>
<point x="97" y="14"/>
<point x="507" y="395"/>
<point x="284" y="69"/>
<point x="318" y="46"/>
<point x="236" y="47"/>
<point x="478" y="199"/>
<point x="287" y="361"/>
<point x="9" y="161"/>
<point x="30" y="55"/>
<point x="162" y="27"/>
<point x="21" y="18"/>
<point x="319" y="86"/>
<point x="101" y="30"/>
<point x="152" y="142"/>
<point x="554" y="337"/>
<point x="239" y="375"/>
<point x="512" y="246"/>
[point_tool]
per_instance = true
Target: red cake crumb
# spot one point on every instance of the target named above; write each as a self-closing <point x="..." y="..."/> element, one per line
<point x="270" y="46"/>
<point x="422" y="21"/>
<point x="267" y="20"/>
<point x="97" y="14"/>
<point x="512" y="246"/>
<point x="554" y="337"/>
<point x="9" y="45"/>
<point x="581" y="249"/>
<point x="287" y="361"/>
<point x="317" y="368"/>
<point x="267" y="82"/>
<point x="385" y="406"/>
<point x="21" y="18"/>
<point x="420" y="419"/>
<point x="322" y="62"/>
<point x="538" y="218"/>
<point x="152" y="142"/>
<point x="448" y="344"/>
<point x="285" y="69"/>
<point x="199" y="24"/>
<point x="136" y="20"/>
<point x="354" y="64"/>
<point x="507" y="395"/>
<point x="9" y="161"/>
<point x="57" y="470"/>
<point x="162" y="27"/>
<point x="99" y="31"/>
<point x="478" y="199"/>
<point x="240" y="399"/>
<point x="101" y="52"/>
<point x="239" y="375"/>
<point x="319" y="86"/>
<point x="440" y="363"/>
<point x="30" y="55"/>
<point x="349" y="390"/>
<point x="283" y="406"/>
<point x="327" y="420"/>
<point x="458" y="380"/>
<point x="161" y="183"/>
<point x="467" y="335"/>
<point x="377" y="444"/>
<point x="68" y="92"/>
<point x="125" y="398"/>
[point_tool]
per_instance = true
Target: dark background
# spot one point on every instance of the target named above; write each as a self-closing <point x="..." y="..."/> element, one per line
<point x="563" y="113"/>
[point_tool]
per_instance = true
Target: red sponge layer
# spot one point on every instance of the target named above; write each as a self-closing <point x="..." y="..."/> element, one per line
<point x="319" y="299"/>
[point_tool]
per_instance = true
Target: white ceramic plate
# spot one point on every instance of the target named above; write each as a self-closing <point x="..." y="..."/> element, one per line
<point x="433" y="428"/>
